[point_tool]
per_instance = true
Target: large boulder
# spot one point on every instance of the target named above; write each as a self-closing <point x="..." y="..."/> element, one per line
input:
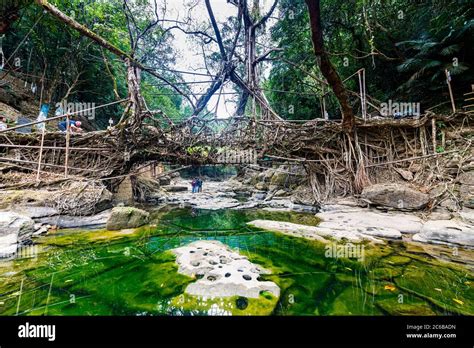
<point x="279" y="179"/>
<point x="398" y="196"/>
<point x="164" y="180"/>
<point x="466" y="189"/>
<point x="127" y="217"/>
<point x="15" y="229"/>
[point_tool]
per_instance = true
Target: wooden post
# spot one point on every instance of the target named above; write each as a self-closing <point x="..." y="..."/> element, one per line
<point x="40" y="157"/>
<point x="68" y="135"/>
<point x="323" y="104"/>
<point x="448" y="81"/>
<point x="365" y="94"/>
<point x="433" y="135"/>
<point x="361" y="94"/>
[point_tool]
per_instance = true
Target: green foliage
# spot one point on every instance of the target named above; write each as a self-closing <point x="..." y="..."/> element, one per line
<point x="202" y="151"/>
<point x="404" y="47"/>
<point x="64" y="55"/>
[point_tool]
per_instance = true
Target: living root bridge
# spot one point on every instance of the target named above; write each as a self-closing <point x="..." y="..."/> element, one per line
<point x="338" y="163"/>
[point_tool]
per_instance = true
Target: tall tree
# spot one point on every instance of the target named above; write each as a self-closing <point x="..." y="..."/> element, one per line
<point x="327" y="69"/>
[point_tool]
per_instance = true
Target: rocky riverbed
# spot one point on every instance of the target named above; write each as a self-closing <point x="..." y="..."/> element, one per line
<point x="381" y="213"/>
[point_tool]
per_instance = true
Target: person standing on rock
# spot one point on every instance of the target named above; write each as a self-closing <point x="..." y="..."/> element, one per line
<point x="199" y="185"/>
<point x="194" y="185"/>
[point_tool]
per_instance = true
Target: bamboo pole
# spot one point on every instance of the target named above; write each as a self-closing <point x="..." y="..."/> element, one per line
<point x="68" y="136"/>
<point x="40" y="157"/>
<point x="365" y="93"/>
<point x="448" y="81"/>
<point x="8" y="159"/>
<point x="433" y="134"/>
<point x="361" y="93"/>
<point x="55" y="147"/>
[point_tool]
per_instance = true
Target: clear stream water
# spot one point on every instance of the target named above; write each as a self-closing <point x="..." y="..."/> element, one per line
<point x="132" y="272"/>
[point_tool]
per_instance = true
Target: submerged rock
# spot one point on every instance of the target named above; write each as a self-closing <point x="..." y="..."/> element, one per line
<point x="15" y="229"/>
<point x="393" y="307"/>
<point x="398" y="196"/>
<point x="126" y="217"/>
<point x="221" y="272"/>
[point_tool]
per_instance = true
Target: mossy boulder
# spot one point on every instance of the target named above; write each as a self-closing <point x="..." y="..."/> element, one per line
<point x="127" y="217"/>
<point x="279" y="179"/>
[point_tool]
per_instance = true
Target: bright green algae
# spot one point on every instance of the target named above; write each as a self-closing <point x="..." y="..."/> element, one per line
<point x="132" y="272"/>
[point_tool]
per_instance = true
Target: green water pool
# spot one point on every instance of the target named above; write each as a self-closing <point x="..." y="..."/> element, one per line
<point x="132" y="272"/>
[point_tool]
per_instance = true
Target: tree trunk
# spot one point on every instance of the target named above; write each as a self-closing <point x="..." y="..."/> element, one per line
<point x="104" y="43"/>
<point x="327" y="69"/>
<point x="8" y="15"/>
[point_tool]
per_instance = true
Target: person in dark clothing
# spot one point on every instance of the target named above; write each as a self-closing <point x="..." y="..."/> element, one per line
<point x="194" y="185"/>
<point x="199" y="183"/>
<point x="75" y="126"/>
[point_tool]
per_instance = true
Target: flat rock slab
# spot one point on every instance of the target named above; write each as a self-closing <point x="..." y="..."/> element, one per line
<point x="36" y="212"/>
<point x="354" y="219"/>
<point x="221" y="272"/>
<point x="69" y="221"/>
<point x="446" y="232"/>
<point x="175" y="188"/>
<point x="325" y="234"/>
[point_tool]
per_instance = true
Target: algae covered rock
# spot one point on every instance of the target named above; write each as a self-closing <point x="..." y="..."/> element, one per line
<point x="127" y="217"/>
<point x="447" y="289"/>
<point x="227" y="283"/>
<point x="394" y="307"/>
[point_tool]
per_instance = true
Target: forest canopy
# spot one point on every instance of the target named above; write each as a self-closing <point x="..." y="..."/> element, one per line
<point x="405" y="48"/>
